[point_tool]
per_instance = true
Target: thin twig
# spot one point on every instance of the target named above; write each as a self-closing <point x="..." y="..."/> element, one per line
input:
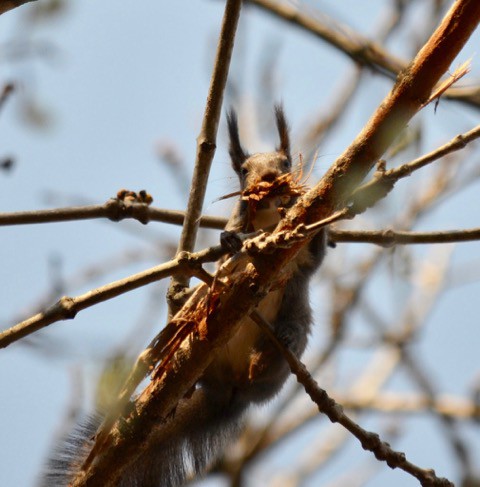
<point x="392" y="22"/>
<point x="411" y="90"/>
<point x="6" y="5"/>
<point x="334" y="411"/>
<point x="67" y="307"/>
<point x="117" y="211"/>
<point x="360" y="49"/>
<point x="460" y="141"/>
<point x="390" y="238"/>
<point x="270" y="435"/>
<point x="113" y="209"/>
<point x="450" y="423"/>
<point x="318" y="131"/>
<point x="383" y="181"/>
<point x="389" y="402"/>
<point x="206" y="141"/>
<point x="7" y="90"/>
<point x="420" y="305"/>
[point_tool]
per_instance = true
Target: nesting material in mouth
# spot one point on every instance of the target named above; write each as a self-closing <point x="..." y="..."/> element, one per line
<point x="266" y="198"/>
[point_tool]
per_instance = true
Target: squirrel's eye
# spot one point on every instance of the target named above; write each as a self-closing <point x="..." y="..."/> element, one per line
<point x="244" y="171"/>
<point x="286" y="164"/>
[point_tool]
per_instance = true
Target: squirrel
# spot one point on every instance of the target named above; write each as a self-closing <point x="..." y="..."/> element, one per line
<point x="247" y="370"/>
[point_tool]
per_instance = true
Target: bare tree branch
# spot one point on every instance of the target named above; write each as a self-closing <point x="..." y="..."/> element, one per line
<point x="330" y="117"/>
<point x="364" y="196"/>
<point x="383" y="181"/>
<point x="206" y="141"/>
<point x="360" y="49"/>
<point x="6" y="92"/>
<point x="390" y="238"/>
<point x="411" y="90"/>
<point x="326" y="405"/>
<point x="387" y="402"/>
<point x="357" y="47"/>
<point x="115" y="212"/>
<point x="6" y="5"/>
<point x="68" y="307"/>
<point x="113" y="209"/>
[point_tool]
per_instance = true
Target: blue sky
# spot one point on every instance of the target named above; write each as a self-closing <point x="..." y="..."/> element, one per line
<point x="120" y="80"/>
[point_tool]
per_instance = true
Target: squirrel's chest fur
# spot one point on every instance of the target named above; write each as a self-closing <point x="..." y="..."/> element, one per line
<point x="243" y="347"/>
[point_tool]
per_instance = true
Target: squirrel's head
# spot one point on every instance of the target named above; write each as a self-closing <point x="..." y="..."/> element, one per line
<point x="263" y="166"/>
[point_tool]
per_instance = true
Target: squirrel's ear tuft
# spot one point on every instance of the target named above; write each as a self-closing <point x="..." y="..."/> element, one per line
<point x="282" y="126"/>
<point x="237" y="154"/>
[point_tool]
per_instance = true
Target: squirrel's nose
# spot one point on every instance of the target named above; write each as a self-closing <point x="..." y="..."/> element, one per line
<point x="269" y="177"/>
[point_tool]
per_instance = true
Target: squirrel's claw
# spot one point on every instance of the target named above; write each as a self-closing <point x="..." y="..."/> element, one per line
<point x="230" y="241"/>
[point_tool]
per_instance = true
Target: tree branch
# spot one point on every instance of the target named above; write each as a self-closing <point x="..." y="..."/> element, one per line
<point x="117" y="209"/>
<point x="390" y="238"/>
<point x="328" y="406"/>
<point x="357" y="47"/>
<point x="6" y="5"/>
<point x="7" y="89"/>
<point x="68" y="307"/>
<point x="388" y="402"/>
<point x="113" y="209"/>
<point x="206" y="141"/>
<point x="383" y="181"/>
<point x="407" y="97"/>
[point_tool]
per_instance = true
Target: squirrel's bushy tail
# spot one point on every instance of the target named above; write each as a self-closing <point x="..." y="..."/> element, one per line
<point x="184" y="444"/>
